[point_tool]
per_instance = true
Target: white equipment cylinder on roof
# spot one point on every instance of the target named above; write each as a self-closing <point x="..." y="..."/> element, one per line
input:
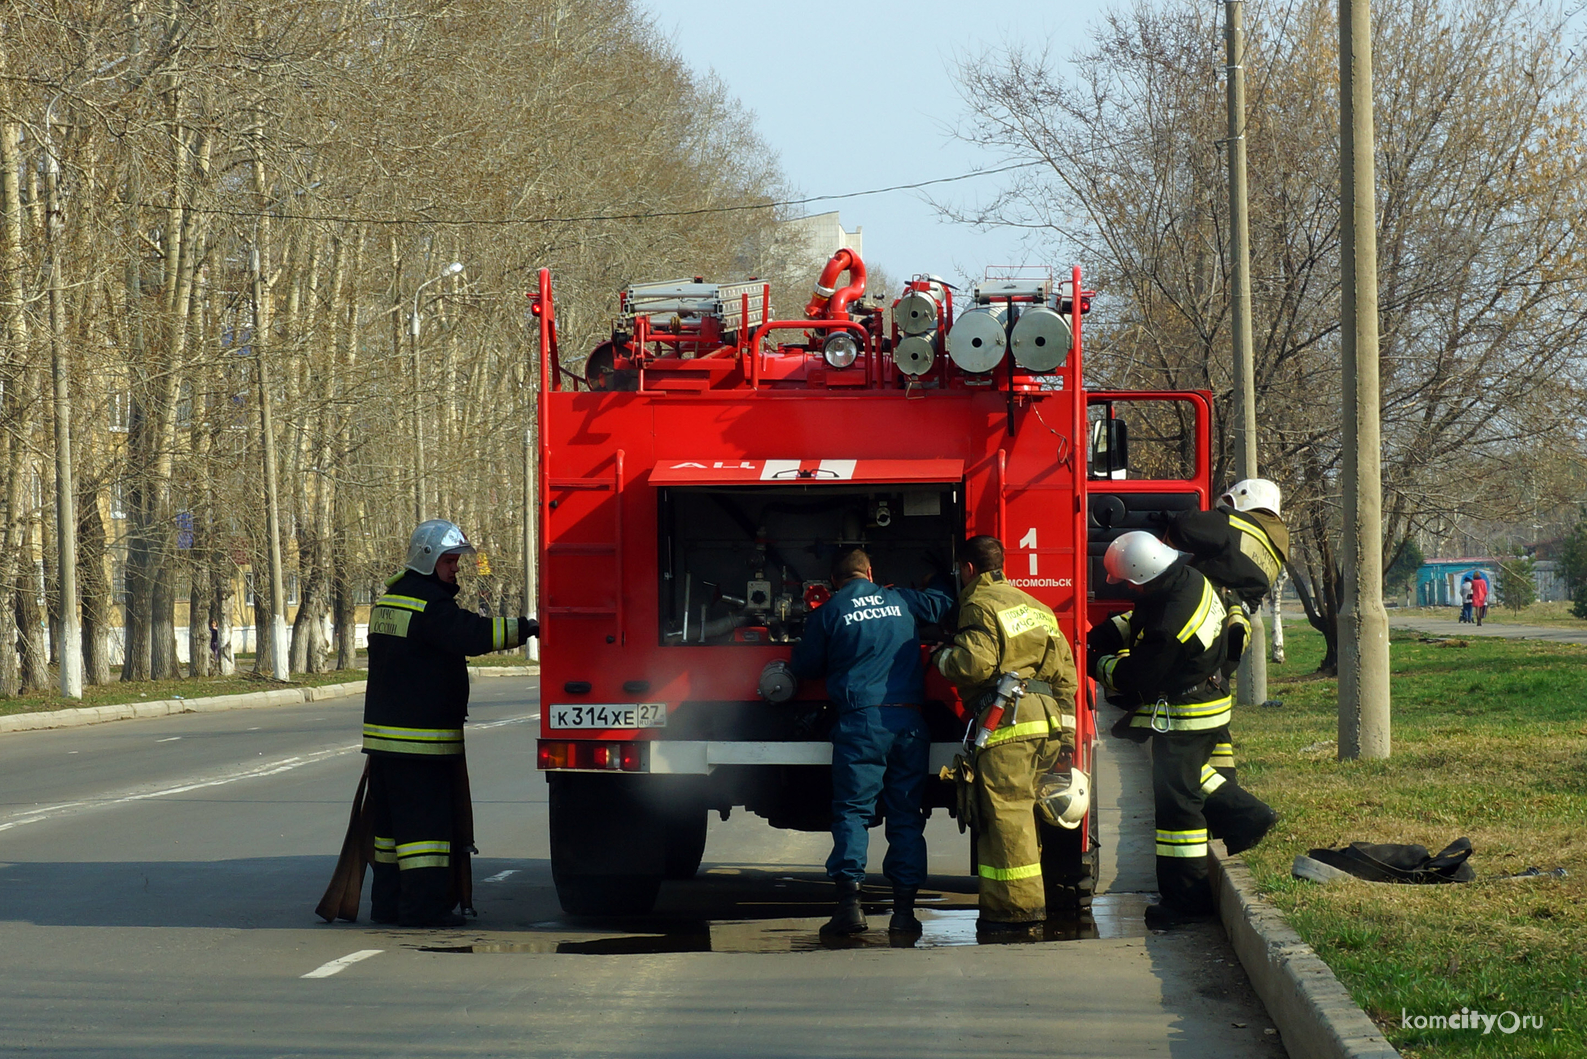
<point x="1041" y="339"/>
<point x="915" y="354"/>
<point x="977" y="341"/>
<point x="916" y="312"/>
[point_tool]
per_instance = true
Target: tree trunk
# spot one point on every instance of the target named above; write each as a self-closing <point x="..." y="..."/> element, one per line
<point x="30" y="615"/>
<point x="198" y="603"/>
<point x="93" y="583"/>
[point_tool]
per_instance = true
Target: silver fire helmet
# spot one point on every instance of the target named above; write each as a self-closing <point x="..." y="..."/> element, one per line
<point x="432" y="539"/>
<point x="1063" y="798"/>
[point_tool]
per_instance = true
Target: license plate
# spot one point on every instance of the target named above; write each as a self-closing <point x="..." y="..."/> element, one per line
<point x="610" y="715"/>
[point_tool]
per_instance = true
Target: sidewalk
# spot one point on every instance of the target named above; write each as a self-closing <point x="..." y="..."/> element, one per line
<point x="1452" y="629"/>
<point x="1315" y="1015"/>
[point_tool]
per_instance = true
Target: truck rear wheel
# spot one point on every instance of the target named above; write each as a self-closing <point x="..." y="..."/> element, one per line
<point x="607" y="850"/>
<point x="685" y="842"/>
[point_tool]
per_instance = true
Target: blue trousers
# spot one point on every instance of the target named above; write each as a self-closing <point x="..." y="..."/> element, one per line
<point x="881" y="752"/>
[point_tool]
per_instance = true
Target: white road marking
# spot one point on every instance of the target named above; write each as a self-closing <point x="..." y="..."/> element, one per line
<point x="510" y="720"/>
<point x="341" y="963"/>
<point x="499" y="876"/>
<point x="171" y="739"/>
<point x="255" y="728"/>
<point x="272" y="768"/>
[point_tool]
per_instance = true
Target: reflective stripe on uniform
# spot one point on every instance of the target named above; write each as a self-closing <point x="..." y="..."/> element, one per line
<point x="1222" y="756"/>
<point x="1254" y="532"/>
<point x="430" y="854"/>
<point x="405" y="602"/>
<point x="1210" y="780"/>
<point x="1186" y="717"/>
<point x="397" y="740"/>
<point x="1024" y="871"/>
<point x="498" y="633"/>
<point x="1105" y="667"/>
<point x="1182" y="843"/>
<point x="1206" y="624"/>
<point x="1022" y="730"/>
<point x="385" y="850"/>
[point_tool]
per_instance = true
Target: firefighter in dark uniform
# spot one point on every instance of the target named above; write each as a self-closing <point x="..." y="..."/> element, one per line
<point x="1162" y="662"/>
<point x="1240" y="546"/>
<point x="414" y="707"/>
<point x="1002" y="629"/>
<point x="862" y="641"/>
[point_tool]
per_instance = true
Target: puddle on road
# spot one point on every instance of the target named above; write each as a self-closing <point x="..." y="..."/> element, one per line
<point x="1112" y="916"/>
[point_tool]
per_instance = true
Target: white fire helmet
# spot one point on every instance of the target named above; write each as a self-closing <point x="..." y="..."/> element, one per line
<point x="431" y="540"/>
<point x="1063" y="798"/>
<point x="1253" y="494"/>
<point x="1137" y="557"/>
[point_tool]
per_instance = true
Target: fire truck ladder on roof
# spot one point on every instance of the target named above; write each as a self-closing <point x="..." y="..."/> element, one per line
<point x="614" y="549"/>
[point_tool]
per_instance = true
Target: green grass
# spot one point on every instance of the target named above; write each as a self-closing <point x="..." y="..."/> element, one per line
<point x="117" y="692"/>
<point x="1490" y="742"/>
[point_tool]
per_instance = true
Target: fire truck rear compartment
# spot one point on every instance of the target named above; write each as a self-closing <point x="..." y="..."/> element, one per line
<point x="746" y="566"/>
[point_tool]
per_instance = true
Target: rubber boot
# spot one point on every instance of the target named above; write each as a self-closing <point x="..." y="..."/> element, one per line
<point x="850" y="917"/>
<point x="904" y="922"/>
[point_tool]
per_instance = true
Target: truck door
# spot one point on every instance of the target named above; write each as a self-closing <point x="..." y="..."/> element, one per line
<point x="1150" y="457"/>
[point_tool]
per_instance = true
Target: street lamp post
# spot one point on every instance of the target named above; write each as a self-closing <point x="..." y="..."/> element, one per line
<point x="420" y="501"/>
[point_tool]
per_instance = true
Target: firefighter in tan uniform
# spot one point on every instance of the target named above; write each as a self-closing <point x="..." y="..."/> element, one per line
<point x="1000" y="630"/>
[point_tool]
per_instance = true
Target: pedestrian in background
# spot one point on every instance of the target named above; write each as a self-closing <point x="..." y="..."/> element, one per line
<point x="1465" y="598"/>
<point x="1479" y="597"/>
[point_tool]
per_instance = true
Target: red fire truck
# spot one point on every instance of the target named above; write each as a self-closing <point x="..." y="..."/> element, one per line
<point x="696" y="482"/>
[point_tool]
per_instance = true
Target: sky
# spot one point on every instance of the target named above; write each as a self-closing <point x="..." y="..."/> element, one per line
<point x="878" y="77"/>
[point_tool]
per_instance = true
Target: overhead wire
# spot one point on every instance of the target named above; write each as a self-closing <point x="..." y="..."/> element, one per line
<point x="585" y="218"/>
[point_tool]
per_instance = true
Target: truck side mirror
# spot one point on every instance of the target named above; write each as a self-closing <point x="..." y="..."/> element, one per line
<point x="1110" y="448"/>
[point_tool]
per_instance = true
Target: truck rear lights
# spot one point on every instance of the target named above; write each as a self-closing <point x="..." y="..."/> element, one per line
<point x="591" y="755"/>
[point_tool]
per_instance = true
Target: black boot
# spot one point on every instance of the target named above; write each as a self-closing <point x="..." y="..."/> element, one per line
<point x="850" y="917"/>
<point x="904" y="922"/>
<point x="1242" y="839"/>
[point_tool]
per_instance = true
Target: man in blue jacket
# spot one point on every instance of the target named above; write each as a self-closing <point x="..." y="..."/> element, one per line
<point x="863" y="642"/>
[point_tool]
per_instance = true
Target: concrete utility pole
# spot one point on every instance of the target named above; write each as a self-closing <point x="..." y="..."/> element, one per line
<point x="1363" y="623"/>
<point x="1252" y="682"/>
<point x="420" y="500"/>
<point x="70" y="649"/>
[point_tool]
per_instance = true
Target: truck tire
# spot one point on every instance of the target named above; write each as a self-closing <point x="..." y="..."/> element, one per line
<point x="607" y="852"/>
<point x="685" y="842"/>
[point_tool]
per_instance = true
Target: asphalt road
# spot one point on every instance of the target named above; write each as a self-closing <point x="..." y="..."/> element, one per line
<point x="157" y="881"/>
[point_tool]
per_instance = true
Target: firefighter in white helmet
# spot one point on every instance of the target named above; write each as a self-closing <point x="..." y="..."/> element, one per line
<point x="414" y="707"/>
<point x="1161" y="662"/>
<point x="1240" y="546"/>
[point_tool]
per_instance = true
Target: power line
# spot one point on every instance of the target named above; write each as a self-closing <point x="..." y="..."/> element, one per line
<point x="588" y="218"/>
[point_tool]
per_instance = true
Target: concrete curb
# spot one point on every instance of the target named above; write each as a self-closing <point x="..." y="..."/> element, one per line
<point x="1315" y="1015"/>
<point x="73" y="718"/>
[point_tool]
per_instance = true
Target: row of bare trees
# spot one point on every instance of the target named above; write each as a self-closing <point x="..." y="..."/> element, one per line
<point x="206" y="202"/>
<point x="1482" y="184"/>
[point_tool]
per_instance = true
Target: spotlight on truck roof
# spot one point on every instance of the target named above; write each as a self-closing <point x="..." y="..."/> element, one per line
<point x="841" y="349"/>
